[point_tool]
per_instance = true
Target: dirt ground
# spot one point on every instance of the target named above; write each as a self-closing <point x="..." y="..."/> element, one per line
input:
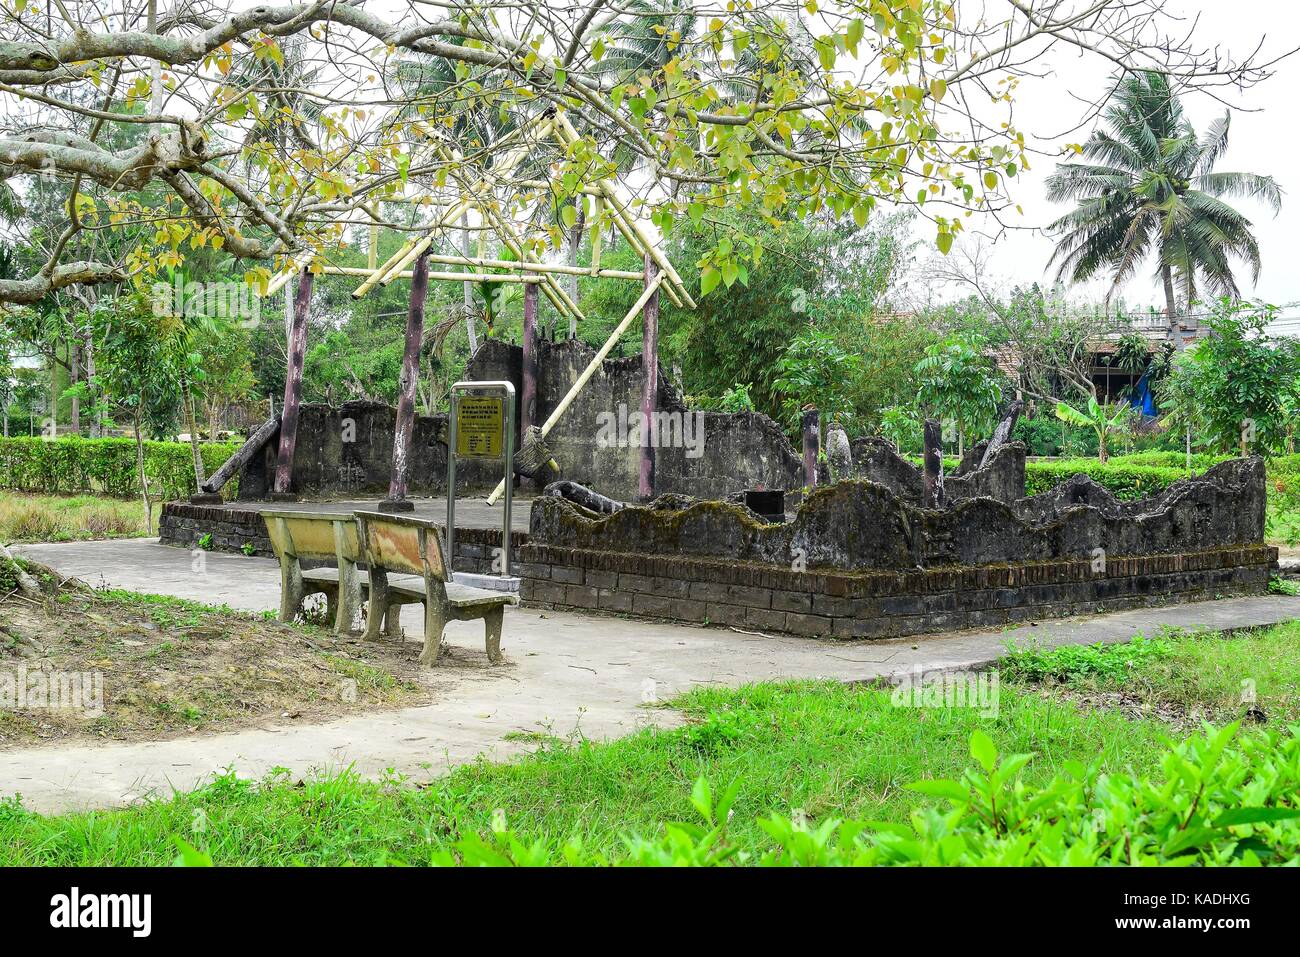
<point x="84" y="665"/>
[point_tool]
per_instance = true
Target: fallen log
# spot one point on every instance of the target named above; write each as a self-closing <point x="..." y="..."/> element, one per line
<point x="581" y="495"/>
<point x="256" y="442"/>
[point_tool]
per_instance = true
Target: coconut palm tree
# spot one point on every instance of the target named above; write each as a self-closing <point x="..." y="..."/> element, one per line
<point x="1149" y="188"/>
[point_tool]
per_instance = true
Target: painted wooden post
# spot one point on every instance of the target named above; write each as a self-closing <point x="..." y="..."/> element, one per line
<point x="293" y="386"/>
<point x="932" y="488"/>
<point x="650" y="384"/>
<point x="528" y="394"/>
<point x="811" y="422"/>
<point x="397" y="483"/>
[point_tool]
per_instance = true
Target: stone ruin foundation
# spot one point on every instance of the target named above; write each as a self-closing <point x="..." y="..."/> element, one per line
<point x="860" y="559"/>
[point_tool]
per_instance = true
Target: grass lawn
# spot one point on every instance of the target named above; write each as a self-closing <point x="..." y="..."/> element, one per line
<point x="810" y="751"/>
<point x="53" y="518"/>
<point x="827" y="749"/>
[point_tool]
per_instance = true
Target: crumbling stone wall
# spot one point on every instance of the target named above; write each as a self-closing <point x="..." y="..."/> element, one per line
<point x="1003" y="478"/>
<point x="1073" y="549"/>
<point x="744" y="450"/>
<point x="349" y="450"/>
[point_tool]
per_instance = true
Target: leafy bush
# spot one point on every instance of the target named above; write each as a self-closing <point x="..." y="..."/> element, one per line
<point x="1122" y="479"/>
<point x="76" y="466"/>
<point x="1208" y="802"/>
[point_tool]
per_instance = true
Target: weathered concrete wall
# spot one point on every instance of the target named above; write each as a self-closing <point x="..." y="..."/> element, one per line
<point x="860" y="525"/>
<point x="878" y="604"/>
<point x="1087" y="550"/>
<point x="349" y="450"/>
<point x="1003" y="479"/>
<point x="734" y="451"/>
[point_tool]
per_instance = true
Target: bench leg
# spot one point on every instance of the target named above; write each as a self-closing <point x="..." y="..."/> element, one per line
<point x="291" y="590"/>
<point x="393" y="621"/>
<point x="377" y="607"/>
<point x="331" y="602"/>
<point x="349" y="601"/>
<point x="435" y="622"/>
<point x="492" y="628"/>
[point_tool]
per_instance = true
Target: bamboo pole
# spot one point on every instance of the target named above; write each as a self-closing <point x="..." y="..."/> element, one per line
<point x="569" y="134"/>
<point x="597" y="234"/>
<point x="592" y="366"/>
<point x="449" y="260"/>
<point x="565" y="306"/>
<point x="300" y="262"/>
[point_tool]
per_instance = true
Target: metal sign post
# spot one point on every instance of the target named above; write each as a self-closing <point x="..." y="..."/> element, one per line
<point x="482" y="425"/>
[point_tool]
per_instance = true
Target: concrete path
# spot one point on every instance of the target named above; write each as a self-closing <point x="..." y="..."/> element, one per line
<point x="572" y="672"/>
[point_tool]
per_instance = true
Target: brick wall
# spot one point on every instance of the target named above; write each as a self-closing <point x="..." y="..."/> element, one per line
<point x="183" y="524"/>
<point x="879" y="604"/>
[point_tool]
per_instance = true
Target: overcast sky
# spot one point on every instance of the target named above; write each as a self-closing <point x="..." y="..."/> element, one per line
<point x="1265" y="138"/>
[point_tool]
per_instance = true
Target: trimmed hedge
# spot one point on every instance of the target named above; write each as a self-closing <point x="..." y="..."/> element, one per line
<point x="1124" y="480"/>
<point x="75" y="466"/>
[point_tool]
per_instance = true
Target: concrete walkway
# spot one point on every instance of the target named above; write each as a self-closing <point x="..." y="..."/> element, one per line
<point x="572" y="672"/>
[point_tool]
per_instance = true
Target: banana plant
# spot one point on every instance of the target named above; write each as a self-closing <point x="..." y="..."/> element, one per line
<point x="1097" y="417"/>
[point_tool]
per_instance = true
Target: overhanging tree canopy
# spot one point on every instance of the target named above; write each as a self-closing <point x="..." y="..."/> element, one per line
<point x="266" y="131"/>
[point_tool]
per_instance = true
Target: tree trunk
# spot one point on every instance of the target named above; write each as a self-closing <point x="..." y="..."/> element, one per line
<point x="96" y="422"/>
<point x="468" y="251"/>
<point x="74" y="376"/>
<point x="397" y="482"/>
<point x="650" y="386"/>
<point x="139" y="469"/>
<point x="192" y="424"/>
<point x="932" y="464"/>
<point x="528" y="393"/>
<point x="1171" y="306"/>
<point x="293" y="384"/>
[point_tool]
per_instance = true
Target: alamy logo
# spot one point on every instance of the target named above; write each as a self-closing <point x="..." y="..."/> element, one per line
<point x="72" y="910"/>
<point x="42" y="689"/>
<point x="666" y="430"/>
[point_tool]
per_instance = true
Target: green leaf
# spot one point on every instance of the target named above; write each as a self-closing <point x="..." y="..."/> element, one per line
<point x="944" y="242"/>
<point x="702" y="799"/>
<point x="709" y="280"/>
<point x="941" y="789"/>
<point x="1255" y="815"/>
<point x="983" y="750"/>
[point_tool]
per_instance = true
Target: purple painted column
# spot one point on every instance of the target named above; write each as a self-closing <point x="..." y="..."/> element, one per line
<point x="293" y="386"/>
<point x="650" y="385"/>
<point x="397" y="482"/>
<point x="812" y="439"/>
<point x="528" y="394"/>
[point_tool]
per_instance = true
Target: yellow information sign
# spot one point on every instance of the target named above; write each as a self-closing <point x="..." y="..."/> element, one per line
<point x="480" y="426"/>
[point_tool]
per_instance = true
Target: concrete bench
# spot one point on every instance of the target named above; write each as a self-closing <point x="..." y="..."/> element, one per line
<point x="318" y="536"/>
<point x="406" y="562"/>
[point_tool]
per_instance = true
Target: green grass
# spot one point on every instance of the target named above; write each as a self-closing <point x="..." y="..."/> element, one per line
<point x="52" y="518"/>
<point x="818" y="751"/>
<point x="826" y="749"/>
<point x="1191" y="672"/>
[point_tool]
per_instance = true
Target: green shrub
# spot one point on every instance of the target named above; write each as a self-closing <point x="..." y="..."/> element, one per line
<point x="1208" y="801"/>
<point x="76" y="466"/>
<point x="1122" y="479"/>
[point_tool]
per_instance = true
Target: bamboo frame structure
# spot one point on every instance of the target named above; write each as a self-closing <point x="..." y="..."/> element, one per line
<point x="466" y="191"/>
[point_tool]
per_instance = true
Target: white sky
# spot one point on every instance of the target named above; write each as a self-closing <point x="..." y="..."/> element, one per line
<point x="1265" y="139"/>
